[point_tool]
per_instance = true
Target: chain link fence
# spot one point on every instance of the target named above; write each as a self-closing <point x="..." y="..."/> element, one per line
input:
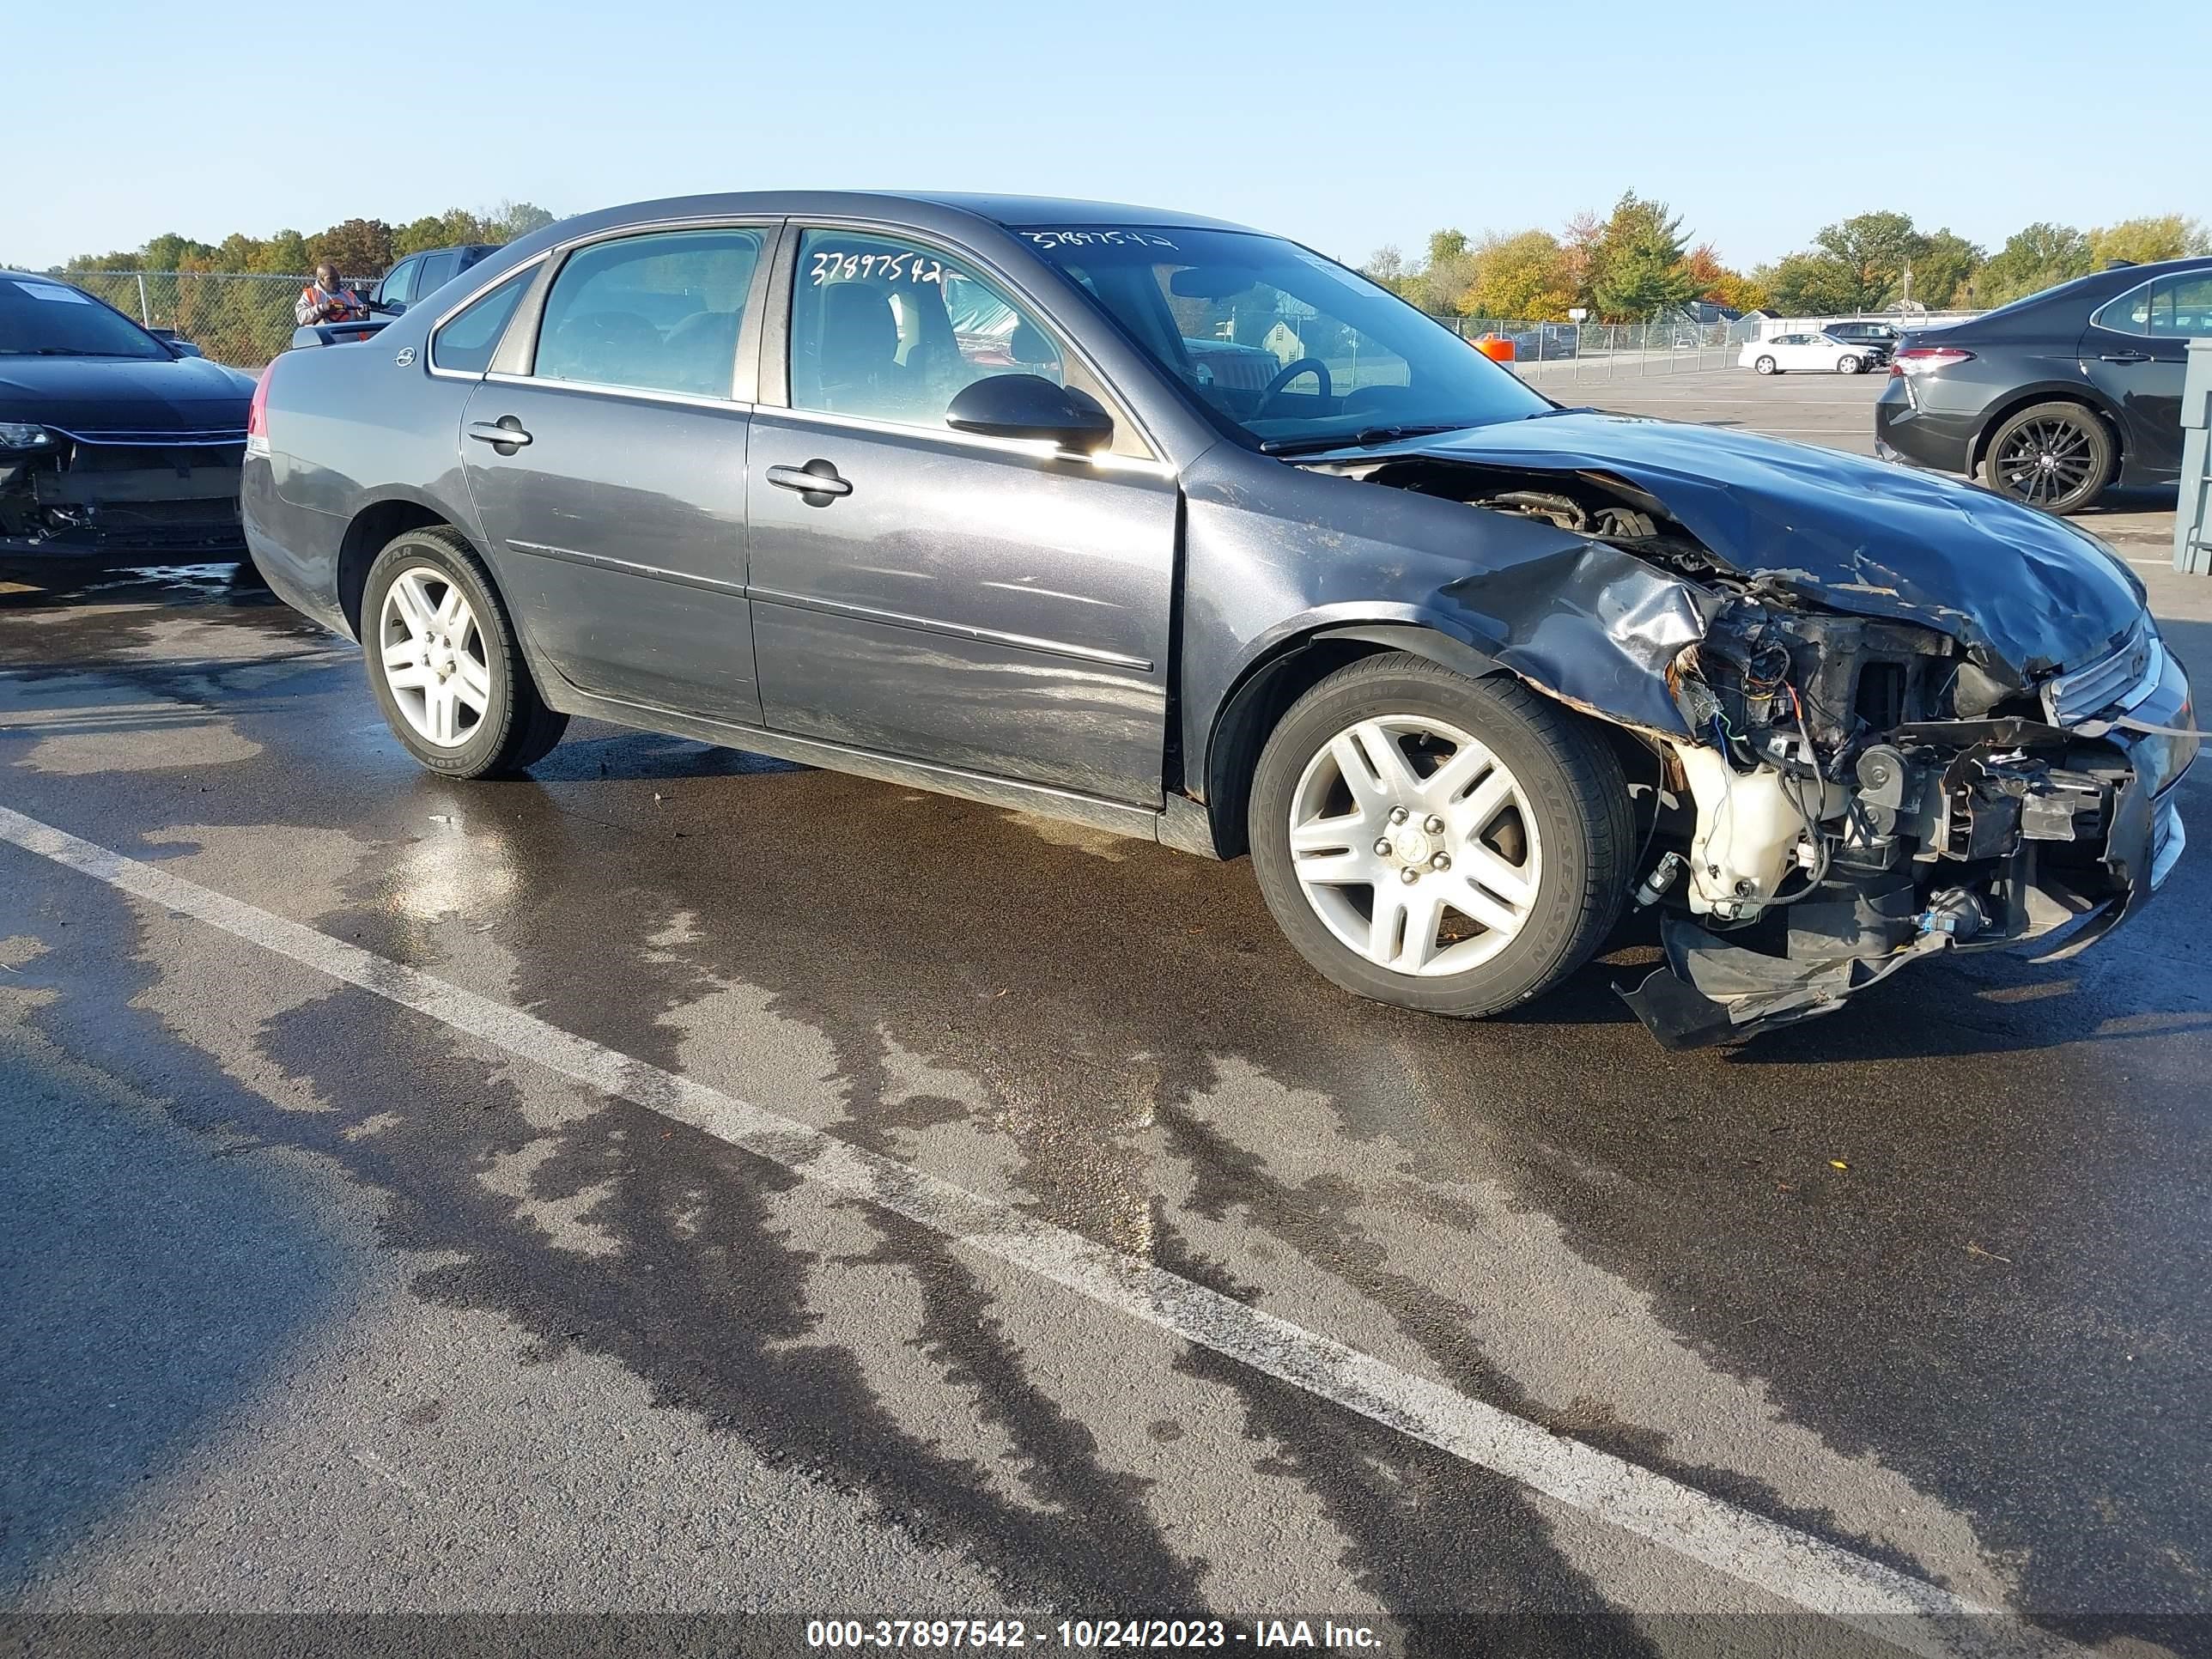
<point x="1606" y="350"/>
<point x="242" y="320"/>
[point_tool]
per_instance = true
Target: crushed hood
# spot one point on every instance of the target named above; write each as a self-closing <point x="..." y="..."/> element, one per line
<point x="2022" y="591"/>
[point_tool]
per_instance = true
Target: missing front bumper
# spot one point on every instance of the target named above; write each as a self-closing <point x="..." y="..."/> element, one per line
<point x="2055" y="897"/>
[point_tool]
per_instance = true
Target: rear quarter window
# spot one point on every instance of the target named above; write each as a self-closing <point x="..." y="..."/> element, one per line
<point x="465" y="342"/>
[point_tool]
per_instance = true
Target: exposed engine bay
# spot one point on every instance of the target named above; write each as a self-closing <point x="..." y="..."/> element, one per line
<point x="1836" y="792"/>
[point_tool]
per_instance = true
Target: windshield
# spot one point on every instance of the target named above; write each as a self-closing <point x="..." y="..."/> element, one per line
<point x="1285" y="350"/>
<point x="46" y="319"/>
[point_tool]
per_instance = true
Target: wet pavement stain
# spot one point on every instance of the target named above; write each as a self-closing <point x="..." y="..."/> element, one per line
<point x="1073" y="998"/>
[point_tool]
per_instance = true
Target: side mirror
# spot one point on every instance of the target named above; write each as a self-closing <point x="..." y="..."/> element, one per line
<point x="389" y="307"/>
<point x="1030" y="406"/>
<point x="186" y="349"/>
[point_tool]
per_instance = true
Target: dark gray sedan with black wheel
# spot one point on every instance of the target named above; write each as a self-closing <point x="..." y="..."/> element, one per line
<point x="2055" y="398"/>
<point x="113" y="443"/>
<point x="1181" y="530"/>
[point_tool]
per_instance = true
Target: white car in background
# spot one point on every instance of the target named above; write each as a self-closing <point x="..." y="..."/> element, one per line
<point x="1822" y="353"/>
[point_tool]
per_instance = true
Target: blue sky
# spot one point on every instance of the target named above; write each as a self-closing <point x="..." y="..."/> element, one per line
<point x="1346" y="125"/>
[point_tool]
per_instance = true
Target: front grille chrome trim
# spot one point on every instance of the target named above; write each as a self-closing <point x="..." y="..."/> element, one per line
<point x="2116" y="681"/>
<point x="209" y="437"/>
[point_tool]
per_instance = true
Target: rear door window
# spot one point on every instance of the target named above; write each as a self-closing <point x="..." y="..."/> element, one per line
<point x="438" y="270"/>
<point x="657" y="313"/>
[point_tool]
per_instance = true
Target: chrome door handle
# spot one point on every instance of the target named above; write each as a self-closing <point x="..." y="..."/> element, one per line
<point x="817" y="483"/>
<point x="2125" y="358"/>
<point x="506" y="432"/>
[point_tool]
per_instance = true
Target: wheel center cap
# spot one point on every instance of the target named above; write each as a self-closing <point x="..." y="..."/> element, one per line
<point x="1411" y="843"/>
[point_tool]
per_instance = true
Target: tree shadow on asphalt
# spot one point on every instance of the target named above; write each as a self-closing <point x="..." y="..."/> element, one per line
<point x="1085" y="995"/>
<point x="155" y="1280"/>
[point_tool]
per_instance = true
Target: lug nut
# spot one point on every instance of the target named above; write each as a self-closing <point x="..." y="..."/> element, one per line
<point x="1442" y="861"/>
<point x="1382" y="846"/>
<point x="1409" y="875"/>
<point x="1399" y="815"/>
<point x="1433" y="824"/>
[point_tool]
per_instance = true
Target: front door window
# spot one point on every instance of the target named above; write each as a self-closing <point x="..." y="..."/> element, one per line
<point x="890" y="330"/>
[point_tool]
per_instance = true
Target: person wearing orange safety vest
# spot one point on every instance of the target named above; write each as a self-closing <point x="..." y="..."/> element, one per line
<point x="327" y="299"/>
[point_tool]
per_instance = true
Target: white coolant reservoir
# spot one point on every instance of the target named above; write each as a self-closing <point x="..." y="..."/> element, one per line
<point x="1746" y="836"/>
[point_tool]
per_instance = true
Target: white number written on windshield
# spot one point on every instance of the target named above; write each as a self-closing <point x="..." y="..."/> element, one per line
<point x="832" y="266"/>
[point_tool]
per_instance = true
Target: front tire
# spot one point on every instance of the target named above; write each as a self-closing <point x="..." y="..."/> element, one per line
<point x="2057" y="456"/>
<point x="1437" y="843"/>
<point x="1849" y="365"/>
<point x="443" y="661"/>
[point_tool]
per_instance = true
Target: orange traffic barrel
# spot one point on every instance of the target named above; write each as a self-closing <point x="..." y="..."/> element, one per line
<point x="1495" y="347"/>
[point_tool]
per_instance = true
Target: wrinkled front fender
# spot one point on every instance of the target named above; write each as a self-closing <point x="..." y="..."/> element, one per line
<point x="1279" y="555"/>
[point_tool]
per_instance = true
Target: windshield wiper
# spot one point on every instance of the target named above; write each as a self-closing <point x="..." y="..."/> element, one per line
<point x="1366" y="438"/>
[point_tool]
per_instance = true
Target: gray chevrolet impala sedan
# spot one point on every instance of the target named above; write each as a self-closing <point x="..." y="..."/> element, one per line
<point x="1179" y="529"/>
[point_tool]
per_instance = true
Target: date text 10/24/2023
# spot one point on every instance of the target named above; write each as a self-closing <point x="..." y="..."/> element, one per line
<point x="1092" y="1635"/>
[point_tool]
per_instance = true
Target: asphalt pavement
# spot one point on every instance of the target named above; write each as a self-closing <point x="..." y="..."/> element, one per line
<point x="679" y="1183"/>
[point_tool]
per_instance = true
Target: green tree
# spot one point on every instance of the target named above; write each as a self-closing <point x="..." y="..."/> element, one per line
<point x="1943" y="265"/>
<point x="1640" y="263"/>
<point x="284" y="254"/>
<point x="428" y="231"/>
<point x="1868" y="253"/>
<point x="360" y="248"/>
<point x="173" y="252"/>
<point x="1522" y="276"/>
<point x="236" y="252"/>
<point x="1810" y="285"/>
<point x="2031" y="260"/>
<point x="2141" y="241"/>
<point x="510" y="221"/>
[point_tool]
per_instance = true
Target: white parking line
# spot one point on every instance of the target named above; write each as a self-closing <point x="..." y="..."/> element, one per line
<point x="1883" y="1602"/>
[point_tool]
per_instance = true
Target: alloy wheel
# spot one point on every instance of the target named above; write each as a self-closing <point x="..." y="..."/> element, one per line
<point x="1415" y="845"/>
<point x="2045" y="461"/>
<point x="433" y="657"/>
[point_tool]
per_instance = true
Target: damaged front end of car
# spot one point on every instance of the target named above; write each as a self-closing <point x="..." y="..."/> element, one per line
<point x="1861" y="794"/>
<point x="108" y="493"/>
<point x="1870" y="749"/>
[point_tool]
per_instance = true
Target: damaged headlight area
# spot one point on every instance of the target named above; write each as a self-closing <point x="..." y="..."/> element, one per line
<point x="1891" y="716"/>
<point x="1860" y="793"/>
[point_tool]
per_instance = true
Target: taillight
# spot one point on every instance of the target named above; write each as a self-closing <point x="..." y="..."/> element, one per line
<point x="257" y="414"/>
<point x="1928" y="359"/>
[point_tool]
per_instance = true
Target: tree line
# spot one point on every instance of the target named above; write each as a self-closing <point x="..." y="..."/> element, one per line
<point x="1625" y="266"/>
<point x="1638" y="261"/>
<point x="360" y="249"/>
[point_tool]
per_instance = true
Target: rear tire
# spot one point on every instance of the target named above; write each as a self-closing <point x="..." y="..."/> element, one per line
<point x="443" y="663"/>
<point x="1504" y="873"/>
<point x="1765" y="365"/>
<point x="2057" y="456"/>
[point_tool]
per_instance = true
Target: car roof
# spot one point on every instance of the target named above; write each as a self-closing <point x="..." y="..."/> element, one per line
<point x="2116" y="279"/>
<point x="1043" y="210"/>
<point x="939" y="210"/>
